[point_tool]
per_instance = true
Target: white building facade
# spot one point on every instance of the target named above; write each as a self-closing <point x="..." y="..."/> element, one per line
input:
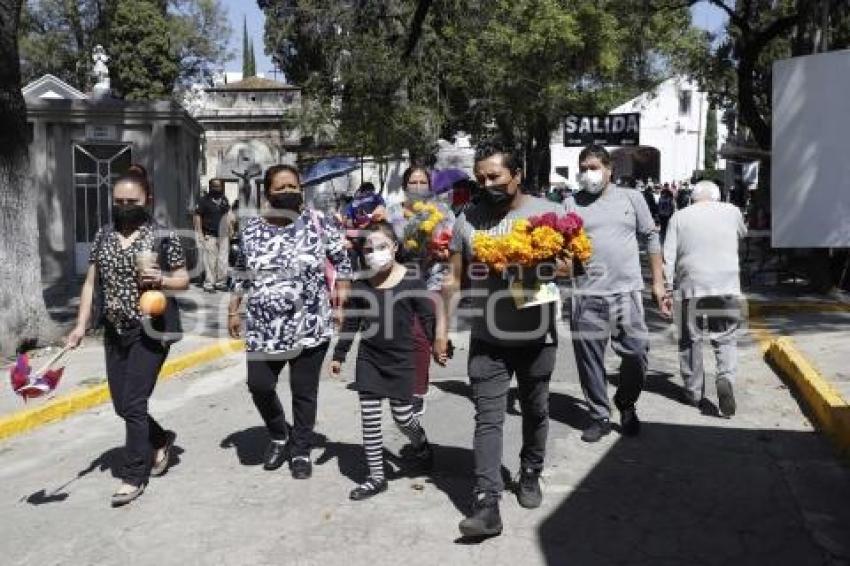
<point x="673" y="119"/>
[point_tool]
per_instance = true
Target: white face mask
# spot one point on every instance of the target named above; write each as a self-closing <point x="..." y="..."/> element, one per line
<point x="592" y="181"/>
<point x="379" y="260"/>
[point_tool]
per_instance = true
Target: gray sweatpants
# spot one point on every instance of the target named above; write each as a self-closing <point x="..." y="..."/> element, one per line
<point x="713" y="319"/>
<point x="620" y="319"/>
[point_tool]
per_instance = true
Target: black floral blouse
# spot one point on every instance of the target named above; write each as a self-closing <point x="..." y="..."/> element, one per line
<point x="282" y="271"/>
<point x="116" y="270"/>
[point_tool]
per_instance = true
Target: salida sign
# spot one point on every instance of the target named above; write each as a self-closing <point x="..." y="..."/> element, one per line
<point x="605" y="129"/>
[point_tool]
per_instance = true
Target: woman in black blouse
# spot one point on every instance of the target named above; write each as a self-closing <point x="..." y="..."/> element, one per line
<point x="386" y="306"/>
<point x="134" y="351"/>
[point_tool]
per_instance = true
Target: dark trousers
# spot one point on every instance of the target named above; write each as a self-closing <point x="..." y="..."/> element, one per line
<point x="421" y="358"/>
<point x="620" y="319"/>
<point x="132" y="366"/>
<point x="490" y="368"/>
<point x="304" y="371"/>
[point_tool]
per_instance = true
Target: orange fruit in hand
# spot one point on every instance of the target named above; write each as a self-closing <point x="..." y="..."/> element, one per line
<point x="152" y="303"/>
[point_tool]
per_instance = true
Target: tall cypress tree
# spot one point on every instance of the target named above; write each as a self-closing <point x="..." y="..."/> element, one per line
<point x="246" y="51"/>
<point x="711" y="138"/>
<point x="252" y="62"/>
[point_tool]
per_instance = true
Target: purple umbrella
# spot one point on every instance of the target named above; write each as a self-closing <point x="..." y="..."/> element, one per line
<point x="442" y="181"/>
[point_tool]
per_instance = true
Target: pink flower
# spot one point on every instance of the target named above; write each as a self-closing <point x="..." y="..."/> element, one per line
<point x="550" y="219"/>
<point x="570" y="225"/>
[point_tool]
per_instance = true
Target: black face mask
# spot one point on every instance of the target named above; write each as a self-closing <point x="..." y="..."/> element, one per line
<point x="286" y="201"/>
<point x="496" y="195"/>
<point x="128" y="217"/>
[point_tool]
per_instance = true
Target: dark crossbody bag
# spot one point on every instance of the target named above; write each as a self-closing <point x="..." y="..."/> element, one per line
<point x="167" y="328"/>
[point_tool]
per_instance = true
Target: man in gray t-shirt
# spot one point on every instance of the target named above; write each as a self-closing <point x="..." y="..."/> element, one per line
<point x="607" y="304"/>
<point x="505" y="341"/>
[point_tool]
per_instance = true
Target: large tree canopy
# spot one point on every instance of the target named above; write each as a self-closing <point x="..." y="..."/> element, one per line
<point x="736" y="68"/>
<point x="396" y="74"/>
<point x="176" y="42"/>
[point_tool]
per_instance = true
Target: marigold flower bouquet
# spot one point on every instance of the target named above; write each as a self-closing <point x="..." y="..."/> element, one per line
<point x="530" y="243"/>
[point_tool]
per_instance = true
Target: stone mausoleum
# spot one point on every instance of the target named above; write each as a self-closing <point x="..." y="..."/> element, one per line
<point x="81" y="143"/>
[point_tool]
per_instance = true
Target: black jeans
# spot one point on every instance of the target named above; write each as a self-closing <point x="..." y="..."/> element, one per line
<point x="304" y="373"/>
<point x="133" y="362"/>
<point x="490" y="368"/>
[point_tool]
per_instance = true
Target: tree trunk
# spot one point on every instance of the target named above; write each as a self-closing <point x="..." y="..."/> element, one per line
<point x="23" y="315"/>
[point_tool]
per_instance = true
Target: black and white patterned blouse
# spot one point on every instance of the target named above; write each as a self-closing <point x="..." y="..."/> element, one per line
<point x="116" y="269"/>
<point x="282" y="271"/>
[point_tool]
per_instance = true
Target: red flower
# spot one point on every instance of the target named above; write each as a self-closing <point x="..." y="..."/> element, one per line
<point x="550" y="219"/>
<point x="441" y="239"/>
<point x="570" y="225"/>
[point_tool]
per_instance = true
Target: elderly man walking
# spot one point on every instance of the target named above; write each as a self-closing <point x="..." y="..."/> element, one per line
<point x="701" y="264"/>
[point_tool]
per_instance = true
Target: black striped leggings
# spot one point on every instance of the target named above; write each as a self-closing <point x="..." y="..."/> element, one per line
<point x="373" y="441"/>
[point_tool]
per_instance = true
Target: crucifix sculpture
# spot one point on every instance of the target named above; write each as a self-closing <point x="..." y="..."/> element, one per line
<point x="246" y="195"/>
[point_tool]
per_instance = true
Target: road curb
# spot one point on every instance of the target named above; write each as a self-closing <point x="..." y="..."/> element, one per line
<point x="828" y="409"/>
<point x="66" y="405"/>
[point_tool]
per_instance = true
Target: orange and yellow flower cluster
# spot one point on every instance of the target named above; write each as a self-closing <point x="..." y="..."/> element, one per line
<point x="534" y="240"/>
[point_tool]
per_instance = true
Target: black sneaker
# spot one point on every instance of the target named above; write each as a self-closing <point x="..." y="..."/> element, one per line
<point x="422" y="455"/>
<point x="485" y="520"/>
<point x="629" y="422"/>
<point x="599" y="428"/>
<point x="726" y="397"/>
<point x="275" y="455"/>
<point x="528" y="492"/>
<point x="301" y="468"/>
<point x="367" y="489"/>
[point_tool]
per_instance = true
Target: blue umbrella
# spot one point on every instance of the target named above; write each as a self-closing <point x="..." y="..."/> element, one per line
<point x="443" y="180"/>
<point x="328" y="169"/>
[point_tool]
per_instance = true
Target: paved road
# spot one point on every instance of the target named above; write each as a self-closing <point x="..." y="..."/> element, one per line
<point x="761" y="488"/>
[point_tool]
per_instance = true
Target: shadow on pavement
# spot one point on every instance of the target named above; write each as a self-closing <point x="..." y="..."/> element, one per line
<point x="699" y="495"/>
<point x="110" y="460"/>
<point x="250" y="444"/>
<point x="452" y="472"/>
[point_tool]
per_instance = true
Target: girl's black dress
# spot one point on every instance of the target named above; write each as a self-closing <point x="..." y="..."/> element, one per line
<point x="384" y="317"/>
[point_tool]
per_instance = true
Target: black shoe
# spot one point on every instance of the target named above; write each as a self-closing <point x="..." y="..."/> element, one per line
<point x="422" y="455"/>
<point x="367" y="489"/>
<point x="528" y="492"/>
<point x="159" y="468"/>
<point x="485" y="520"/>
<point x="301" y="467"/>
<point x="599" y="428"/>
<point x="726" y="397"/>
<point x="629" y="422"/>
<point x="220" y="287"/>
<point x="275" y="455"/>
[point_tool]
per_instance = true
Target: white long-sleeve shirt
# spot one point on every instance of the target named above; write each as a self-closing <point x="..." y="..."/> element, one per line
<point x="701" y="250"/>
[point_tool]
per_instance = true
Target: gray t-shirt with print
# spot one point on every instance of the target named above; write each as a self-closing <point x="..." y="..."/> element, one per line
<point x="496" y="318"/>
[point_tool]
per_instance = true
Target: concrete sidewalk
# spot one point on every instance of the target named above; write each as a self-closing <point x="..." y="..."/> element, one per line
<point x="805" y="339"/>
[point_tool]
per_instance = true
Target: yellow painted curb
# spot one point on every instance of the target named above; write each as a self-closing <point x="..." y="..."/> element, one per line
<point x="67" y="405"/>
<point x="827" y="407"/>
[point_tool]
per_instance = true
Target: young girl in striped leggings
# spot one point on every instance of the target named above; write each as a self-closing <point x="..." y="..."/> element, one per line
<point x="384" y="307"/>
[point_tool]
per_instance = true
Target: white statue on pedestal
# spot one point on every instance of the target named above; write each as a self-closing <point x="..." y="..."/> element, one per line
<point x="100" y="72"/>
<point x="195" y="99"/>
